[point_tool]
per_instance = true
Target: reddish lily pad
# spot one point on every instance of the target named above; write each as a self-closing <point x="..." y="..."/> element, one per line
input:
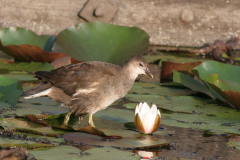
<point x="25" y="45"/>
<point x="229" y="90"/>
<point x="34" y="119"/>
<point x="29" y="53"/>
<point x="224" y="71"/>
<point x="168" y="67"/>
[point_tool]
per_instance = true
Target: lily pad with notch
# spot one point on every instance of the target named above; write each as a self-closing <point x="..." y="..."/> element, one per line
<point x="99" y="41"/>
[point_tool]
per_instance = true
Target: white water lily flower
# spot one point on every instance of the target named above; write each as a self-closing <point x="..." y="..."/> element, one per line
<point x="147" y="120"/>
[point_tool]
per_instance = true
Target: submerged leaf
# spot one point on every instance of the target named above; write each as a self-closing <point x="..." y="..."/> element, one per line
<point x="99" y="41"/>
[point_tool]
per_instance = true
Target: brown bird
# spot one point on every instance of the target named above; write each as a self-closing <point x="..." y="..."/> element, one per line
<point x="90" y="86"/>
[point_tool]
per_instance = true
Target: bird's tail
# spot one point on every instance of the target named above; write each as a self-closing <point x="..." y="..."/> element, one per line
<point x="37" y="91"/>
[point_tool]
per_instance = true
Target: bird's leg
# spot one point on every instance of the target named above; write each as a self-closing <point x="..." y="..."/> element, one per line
<point x="80" y="118"/>
<point x="90" y="121"/>
<point x="67" y="118"/>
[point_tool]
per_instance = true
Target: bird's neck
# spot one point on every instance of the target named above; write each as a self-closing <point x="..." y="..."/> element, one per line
<point x="129" y="71"/>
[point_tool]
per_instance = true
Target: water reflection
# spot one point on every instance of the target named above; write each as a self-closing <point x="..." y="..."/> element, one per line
<point x="146" y="154"/>
<point x="195" y="144"/>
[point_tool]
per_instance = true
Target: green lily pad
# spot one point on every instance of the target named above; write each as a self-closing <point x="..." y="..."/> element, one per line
<point x="10" y="90"/>
<point x="130" y="140"/>
<point x="157" y="89"/>
<point x="69" y="152"/>
<point x="108" y="153"/>
<point x="21" y="76"/>
<point x="181" y="104"/>
<point x="178" y="59"/>
<point x="18" y="36"/>
<point x="117" y="115"/>
<point x="61" y="152"/>
<point x="18" y="143"/>
<point x="29" y="127"/>
<point x="229" y="90"/>
<point x="4" y="105"/>
<point x="54" y="141"/>
<point x="220" y="120"/>
<point x="99" y="41"/>
<point x="27" y="67"/>
<point x="25" y="108"/>
<point x="153" y="58"/>
<point x="25" y="45"/>
<point x="191" y="83"/>
<point x="169" y="57"/>
<point x="225" y="71"/>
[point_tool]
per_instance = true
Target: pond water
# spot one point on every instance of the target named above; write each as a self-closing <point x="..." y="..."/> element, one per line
<point x="193" y="125"/>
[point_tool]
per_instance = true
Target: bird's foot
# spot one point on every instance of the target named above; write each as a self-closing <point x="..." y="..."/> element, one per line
<point x="67" y="118"/>
<point x="90" y="121"/>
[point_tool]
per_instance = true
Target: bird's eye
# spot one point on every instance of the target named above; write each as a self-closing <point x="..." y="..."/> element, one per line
<point x="140" y="64"/>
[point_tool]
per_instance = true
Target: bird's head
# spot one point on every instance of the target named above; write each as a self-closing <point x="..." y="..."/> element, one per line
<point x="138" y="65"/>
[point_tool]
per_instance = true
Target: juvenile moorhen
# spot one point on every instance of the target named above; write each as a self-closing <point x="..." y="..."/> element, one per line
<point x="90" y="86"/>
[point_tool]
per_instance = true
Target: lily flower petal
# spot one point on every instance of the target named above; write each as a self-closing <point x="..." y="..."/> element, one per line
<point x="137" y="109"/>
<point x="159" y="113"/>
<point x="147" y="120"/>
<point x="138" y="123"/>
<point x="144" y="108"/>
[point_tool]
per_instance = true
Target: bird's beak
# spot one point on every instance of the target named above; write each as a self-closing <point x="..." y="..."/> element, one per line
<point x="148" y="72"/>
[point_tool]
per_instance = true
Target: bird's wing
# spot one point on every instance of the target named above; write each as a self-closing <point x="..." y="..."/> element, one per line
<point x="73" y="77"/>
